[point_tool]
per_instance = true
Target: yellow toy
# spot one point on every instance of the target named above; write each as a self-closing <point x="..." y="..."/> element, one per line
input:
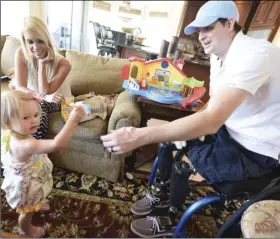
<point x="68" y="106"/>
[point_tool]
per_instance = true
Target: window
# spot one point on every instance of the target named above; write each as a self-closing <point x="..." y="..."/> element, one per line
<point x="65" y="23"/>
<point x="12" y="17"/>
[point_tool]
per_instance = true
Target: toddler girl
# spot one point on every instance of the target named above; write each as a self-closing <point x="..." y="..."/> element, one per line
<point x="27" y="168"/>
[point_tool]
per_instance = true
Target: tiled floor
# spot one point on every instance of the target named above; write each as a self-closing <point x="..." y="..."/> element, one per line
<point x="148" y="166"/>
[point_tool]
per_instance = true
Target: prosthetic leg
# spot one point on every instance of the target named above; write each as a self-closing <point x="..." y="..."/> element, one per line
<point x="157" y="197"/>
<point x="158" y="186"/>
<point x="181" y="172"/>
<point x="180" y="188"/>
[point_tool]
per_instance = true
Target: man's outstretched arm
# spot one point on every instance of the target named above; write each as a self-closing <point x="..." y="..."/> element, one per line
<point x="220" y="106"/>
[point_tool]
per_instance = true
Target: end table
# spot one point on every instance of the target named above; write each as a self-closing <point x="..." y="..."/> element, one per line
<point x="169" y="112"/>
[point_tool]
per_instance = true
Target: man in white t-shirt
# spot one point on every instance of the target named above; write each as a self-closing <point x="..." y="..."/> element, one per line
<point x="241" y="121"/>
<point x="252" y="67"/>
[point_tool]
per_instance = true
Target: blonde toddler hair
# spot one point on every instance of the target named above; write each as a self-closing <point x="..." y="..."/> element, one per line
<point x="38" y="27"/>
<point x="11" y="102"/>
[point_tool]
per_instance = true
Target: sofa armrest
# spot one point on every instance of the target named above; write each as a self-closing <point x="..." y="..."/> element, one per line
<point x="126" y="112"/>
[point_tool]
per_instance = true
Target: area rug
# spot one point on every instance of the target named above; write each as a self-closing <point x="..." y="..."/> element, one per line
<point x="86" y="206"/>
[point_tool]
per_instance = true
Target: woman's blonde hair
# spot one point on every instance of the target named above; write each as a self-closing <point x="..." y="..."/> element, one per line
<point x="38" y="27"/>
<point x="11" y="102"/>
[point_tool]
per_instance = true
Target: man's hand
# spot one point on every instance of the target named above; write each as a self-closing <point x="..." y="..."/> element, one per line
<point x="55" y="98"/>
<point x="121" y="141"/>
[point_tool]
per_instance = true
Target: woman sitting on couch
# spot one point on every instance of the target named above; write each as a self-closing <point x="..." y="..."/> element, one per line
<point x="40" y="71"/>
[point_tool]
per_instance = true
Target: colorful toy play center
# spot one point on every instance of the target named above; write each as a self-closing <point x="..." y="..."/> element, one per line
<point x="162" y="81"/>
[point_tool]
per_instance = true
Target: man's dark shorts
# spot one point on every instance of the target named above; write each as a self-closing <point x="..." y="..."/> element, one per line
<point x="220" y="158"/>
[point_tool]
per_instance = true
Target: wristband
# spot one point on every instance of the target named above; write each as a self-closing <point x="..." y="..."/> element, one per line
<point x="42" y="96"/>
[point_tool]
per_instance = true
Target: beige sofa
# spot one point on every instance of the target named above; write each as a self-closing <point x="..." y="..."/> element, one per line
<point x="85" y="152"/>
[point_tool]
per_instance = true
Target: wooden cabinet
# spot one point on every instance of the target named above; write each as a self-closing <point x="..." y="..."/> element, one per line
<point x="191" y="10"/>
<point x="256" y="15"/>
<point x="199" y="72"/>
<point x="244" y="8"/>
<point x="266" y="15"/>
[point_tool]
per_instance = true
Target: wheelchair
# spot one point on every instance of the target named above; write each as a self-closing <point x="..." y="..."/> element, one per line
<point x="231" y="228"/>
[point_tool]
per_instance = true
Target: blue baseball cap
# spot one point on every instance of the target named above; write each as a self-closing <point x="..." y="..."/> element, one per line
<point x="210" y="12"/>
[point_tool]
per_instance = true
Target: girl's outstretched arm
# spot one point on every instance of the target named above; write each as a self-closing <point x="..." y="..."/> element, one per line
<point x="34" y="146"/>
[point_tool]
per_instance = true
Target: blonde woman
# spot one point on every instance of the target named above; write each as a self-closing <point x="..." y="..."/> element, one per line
<point x="40" y="71"/>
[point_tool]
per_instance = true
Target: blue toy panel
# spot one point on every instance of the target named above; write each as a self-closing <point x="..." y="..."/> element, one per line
<point x="160" y="96"/>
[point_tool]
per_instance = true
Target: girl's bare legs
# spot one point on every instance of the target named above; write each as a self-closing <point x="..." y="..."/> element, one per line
<point x="26" y="227"/>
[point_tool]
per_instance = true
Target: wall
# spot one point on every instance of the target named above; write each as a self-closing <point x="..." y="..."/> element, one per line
<point x="37" y="9"/>
<point x="276" y="39"/>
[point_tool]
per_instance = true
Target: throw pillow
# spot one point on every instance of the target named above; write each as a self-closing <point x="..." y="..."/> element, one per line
<point x="8" y="54"/>
<point x="94" y="73"/>
<point x="262" y="220"/>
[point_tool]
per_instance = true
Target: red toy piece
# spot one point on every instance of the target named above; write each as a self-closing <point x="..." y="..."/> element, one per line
<point x="125" y="72"/>
<point x="197" y="94"/>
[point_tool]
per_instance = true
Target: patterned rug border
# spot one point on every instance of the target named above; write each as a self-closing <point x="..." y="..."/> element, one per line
<point x="83" y="196"/>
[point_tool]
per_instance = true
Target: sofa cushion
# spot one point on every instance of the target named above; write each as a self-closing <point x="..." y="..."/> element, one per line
<point x="8" y="54"/>
<point x="94" y="73"/>
<point x="3" y="39"/>
<point x="4" y="86"/>
<point x="89" y="130"/>
<point x="61" y="52"/>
